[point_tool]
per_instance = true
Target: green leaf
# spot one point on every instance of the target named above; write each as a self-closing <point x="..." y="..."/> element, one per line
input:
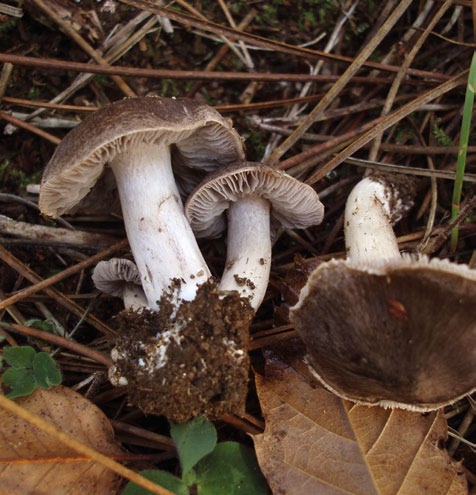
<point x="21" y="381"/>
<point x="190" y="478"/>
<point x="46" y="371"/>
<point x="19" y="356"/>
<point x="194" y="440"/>
<point x="462" y="150"/>
<point x="231" y="468"/>
<point x="162" y="478"/>
<point x="44" y="325"/>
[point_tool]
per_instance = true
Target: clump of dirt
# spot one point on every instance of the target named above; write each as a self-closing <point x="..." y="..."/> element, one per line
<point x="186" y="362"/>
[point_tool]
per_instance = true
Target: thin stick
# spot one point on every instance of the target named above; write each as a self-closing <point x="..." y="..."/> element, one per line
<point x="246" y="55"/>
<point x="386" y="122"/>
<point x="79" y="40"/>
<point x="267" y="43"/>
<point x="32" y="289"/>
<point x="44" y="104"/>
<point x="59" y="341"/>
<point x="392" y="94"/>
<point x="25" y="230"/>
<point x="70" y="441"/>
<point x="55" y="294"/>
<point x="331" y="95"/>
<point x="206" y="75"/>
<point x="79" y="458"/>
<point x="402" y="169"/>
<point x="29" y="127"/>
<point x="222" y="51"/>
<point x="5" y="78"/>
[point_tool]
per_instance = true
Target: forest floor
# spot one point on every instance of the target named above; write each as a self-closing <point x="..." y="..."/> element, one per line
<point x="358" y="85"/>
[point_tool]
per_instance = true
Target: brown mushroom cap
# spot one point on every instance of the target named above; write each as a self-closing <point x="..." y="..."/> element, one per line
<point x="397" y="334"/>
<point x="202" y="139"/>
<point x="293" y="203"/>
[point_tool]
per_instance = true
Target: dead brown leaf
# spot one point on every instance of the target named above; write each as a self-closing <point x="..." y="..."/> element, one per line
<point x="315" y="442"/>
<point x="30" y="468"/>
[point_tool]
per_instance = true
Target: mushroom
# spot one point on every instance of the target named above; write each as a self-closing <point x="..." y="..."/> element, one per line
<point x="120" y="278"/>
<point x="254" y="195"/>
<point x="142" y="140"/>
<point x="374" y="205"/>
<point x="386" y="329"/>
<point x="185" y="352"/>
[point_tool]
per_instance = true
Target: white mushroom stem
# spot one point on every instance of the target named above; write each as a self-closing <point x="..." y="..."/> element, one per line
<point x="161" y="240"/>
<point x="248" y="259"/>
<point x="134" y="297"/>
<point x="369" y="235"/>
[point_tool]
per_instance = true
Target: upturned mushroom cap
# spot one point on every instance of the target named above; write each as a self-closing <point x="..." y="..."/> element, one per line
<point x="293" y="203"/>
<point x="202" y="139"/>
<point x="400" y="333"/>
<point x="111" y="276"/>
<point x="120" y="277"/>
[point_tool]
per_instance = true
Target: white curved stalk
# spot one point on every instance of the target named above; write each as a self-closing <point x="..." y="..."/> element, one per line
<point x="248" y="259"/>
<point x="134" y="297"/>
<point x="161" y="240"/>
<point x="369" y="235"/>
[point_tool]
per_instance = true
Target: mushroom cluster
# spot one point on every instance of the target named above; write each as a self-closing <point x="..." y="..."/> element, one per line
<point x="384" y="328"/>
<point x="183" y="337"/>
<point x="158" y="149"/>
<point x="143" y="140"/>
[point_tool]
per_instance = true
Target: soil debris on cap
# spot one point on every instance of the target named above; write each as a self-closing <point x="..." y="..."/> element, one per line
<point x="189" y="363"/>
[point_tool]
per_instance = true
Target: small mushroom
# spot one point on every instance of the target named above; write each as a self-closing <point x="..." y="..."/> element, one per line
<point x="142" y="140"/>
<point x="253" y="195"/>
<point x="120" y="278"/>
<point x="387" y="329"/>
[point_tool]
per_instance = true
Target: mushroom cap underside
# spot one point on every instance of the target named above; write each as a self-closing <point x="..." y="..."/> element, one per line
<point x="293" y="203"/>
<point x="111" y="276"/>
<point x="200" y="138"/>
<point x="403" y="335"/>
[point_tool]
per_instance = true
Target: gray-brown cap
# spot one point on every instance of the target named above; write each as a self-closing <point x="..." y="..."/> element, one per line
<point x="293" y="203"/>
<point x="201" y="139"/>
<point x="398" y="333"/>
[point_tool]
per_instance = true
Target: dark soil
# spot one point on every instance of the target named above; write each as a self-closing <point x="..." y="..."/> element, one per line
<point x="203" y="346"/>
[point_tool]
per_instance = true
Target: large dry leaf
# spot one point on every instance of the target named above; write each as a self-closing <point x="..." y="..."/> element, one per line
<point x="19" y="441"/>
<point x="316" y="443"/>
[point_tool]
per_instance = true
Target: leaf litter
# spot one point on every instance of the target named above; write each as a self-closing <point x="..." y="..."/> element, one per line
<point x="315" y="442"/>
<point x="34" y="462"/>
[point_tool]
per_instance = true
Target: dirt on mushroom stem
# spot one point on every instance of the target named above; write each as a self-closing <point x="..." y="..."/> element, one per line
<point x="402" y="200"/>
<point x="203" y="368"/>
